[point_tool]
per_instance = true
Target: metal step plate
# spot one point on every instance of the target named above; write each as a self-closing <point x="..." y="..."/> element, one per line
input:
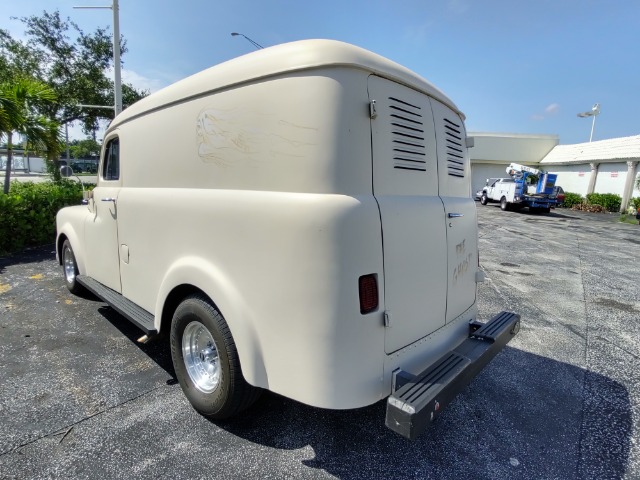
<point x="125" y="307"/>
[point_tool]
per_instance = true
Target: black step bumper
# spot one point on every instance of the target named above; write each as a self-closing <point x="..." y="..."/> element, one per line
<point x="415" y="404"/>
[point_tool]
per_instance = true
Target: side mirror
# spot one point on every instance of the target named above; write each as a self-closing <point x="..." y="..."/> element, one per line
<point x="66" y="171"/>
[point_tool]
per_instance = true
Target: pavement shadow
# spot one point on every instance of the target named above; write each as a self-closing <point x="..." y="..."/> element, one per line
<point x="44" y="253"/>
<point x="157" y="348"/>
<point x="525" y="416"/>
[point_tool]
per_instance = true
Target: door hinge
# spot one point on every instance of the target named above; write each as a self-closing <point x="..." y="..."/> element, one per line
<point x="372" y="109"/>
<point x="387" y="318"/>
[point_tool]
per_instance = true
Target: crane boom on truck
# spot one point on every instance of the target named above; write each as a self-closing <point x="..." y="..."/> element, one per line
<point x="519" y="191"/>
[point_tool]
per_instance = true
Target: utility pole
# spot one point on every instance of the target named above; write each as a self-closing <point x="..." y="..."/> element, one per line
<point x="115" y="7"/>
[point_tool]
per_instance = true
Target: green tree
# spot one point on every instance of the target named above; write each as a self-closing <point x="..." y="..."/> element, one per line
<point x="20" y="103"/>
<point x="73" y="63"/>
<point x="84" y="148"/>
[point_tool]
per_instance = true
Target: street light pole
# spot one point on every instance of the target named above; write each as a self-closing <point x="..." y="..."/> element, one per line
<point x="255" y="44"/>
<point x="594" y="112"/>
<point x="116" y="53"/>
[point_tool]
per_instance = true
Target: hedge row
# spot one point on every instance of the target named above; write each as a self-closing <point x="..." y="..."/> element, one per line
<point x="28" y="212"/>
<point x="571" y="199"/>
<point x="610" y="202"/>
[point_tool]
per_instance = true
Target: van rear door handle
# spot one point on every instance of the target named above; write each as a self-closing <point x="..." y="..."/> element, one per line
<point x="455" y="215"/>
<point x="109" y="199"/>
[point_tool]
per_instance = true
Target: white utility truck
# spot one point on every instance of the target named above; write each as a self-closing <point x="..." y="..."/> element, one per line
<point x="525" y="187"/>
<point x="242" y="211"/>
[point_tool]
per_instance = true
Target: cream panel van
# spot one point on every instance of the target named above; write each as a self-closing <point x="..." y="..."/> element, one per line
<point x="300" y="220"/>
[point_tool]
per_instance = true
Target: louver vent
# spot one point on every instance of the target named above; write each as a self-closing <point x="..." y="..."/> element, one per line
<point x="407" y="136"/>
<point x="455" y="152"/>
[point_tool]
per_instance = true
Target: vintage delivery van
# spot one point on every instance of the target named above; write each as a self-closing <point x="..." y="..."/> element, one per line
<point x="298" y="219"/>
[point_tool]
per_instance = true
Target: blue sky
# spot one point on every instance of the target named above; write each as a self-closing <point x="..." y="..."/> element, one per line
<point x="512" y="66"/>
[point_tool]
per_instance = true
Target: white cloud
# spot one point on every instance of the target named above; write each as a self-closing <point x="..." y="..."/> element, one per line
<point x="139" y="81"/>
<point x="458" y="6"/>
<point x="142" y="82"/>
<point x="552" y="109"/>
<point x="549" y="110"/>
<point x="418" y="34"/>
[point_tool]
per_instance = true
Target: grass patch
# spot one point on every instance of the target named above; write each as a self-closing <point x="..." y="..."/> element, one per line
<point x="624" y="218"/>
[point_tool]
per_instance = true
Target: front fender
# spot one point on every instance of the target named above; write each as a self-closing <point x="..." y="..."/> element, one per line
<point x="200" y="273"/>
<point x="70" y="224"/>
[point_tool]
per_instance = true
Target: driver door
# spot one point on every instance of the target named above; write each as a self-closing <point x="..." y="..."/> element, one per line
<point x="101" y="228"/>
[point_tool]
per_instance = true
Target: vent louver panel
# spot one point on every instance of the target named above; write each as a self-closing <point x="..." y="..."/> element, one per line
<point x="455" y="151"/>
<point x="407" y="136"/>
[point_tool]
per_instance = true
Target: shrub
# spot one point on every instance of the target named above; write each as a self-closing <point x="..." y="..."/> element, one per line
<point x="28" y="212"/>
<point x="635" y="203"/>
<point x="571" y="199"/>
<point x="609" y="201"/>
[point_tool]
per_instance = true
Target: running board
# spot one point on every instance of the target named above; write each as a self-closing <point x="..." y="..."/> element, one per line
<point x="421" y="398"/>
<point x="125" y="307"/>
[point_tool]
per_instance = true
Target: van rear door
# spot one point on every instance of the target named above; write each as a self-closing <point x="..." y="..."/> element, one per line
<point x="405" y="185"/>
<point x="454" y="172"/>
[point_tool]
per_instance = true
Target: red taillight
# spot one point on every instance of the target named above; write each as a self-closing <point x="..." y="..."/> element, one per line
<point x="368" y="288"/>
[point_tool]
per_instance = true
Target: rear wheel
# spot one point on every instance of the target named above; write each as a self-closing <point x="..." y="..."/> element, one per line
<point x="484" y="200"/>
<point x="503" y="204"/>
<point x="206" y="360"/>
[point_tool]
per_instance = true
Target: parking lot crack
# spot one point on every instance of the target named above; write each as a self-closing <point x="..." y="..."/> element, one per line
<point x="618" y="347"/>
<point x="64" y="431"/>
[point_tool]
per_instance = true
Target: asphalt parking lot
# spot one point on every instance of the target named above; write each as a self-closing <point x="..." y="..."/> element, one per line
<point x="79" y="398"/>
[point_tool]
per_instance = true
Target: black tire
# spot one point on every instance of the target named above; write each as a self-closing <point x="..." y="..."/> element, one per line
<point x="545" y="210"/>
<point x="484" y="200"/>
<point x="70" y="269"/>
<point x="231" y="394"/>
<point x="503" y="204"/>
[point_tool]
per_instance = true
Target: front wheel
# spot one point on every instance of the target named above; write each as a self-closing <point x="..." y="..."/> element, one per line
<point x="70" y="269"/>
<point x="503" y="204"/>
<point x="484" y="200"/>
<point x="206" y="360"/>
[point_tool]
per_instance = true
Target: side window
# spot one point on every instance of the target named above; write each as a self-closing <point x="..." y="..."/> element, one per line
<point x="111" y="164"/>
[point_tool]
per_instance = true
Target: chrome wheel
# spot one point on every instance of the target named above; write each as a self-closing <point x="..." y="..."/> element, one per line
<point x="69" y="263"/>
<point x="200" y="355"/>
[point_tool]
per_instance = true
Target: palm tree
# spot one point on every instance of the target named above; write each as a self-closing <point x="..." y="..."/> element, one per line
<point x="19" y="103"/>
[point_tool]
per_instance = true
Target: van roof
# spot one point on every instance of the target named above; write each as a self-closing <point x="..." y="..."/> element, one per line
<point x="287" y="57"/>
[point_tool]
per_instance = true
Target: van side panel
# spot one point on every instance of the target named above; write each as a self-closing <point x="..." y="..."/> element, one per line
<point x="289" y="273"/>
<point x="295" y="133"/>
<point x="222" y="185"/>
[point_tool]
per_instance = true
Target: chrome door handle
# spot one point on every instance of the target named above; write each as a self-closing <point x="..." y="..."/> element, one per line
<point x="109" y="199"/>
<point x="455" y="215"/>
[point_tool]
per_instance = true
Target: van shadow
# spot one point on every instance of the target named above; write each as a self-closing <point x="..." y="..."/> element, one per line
<point x="524" y="416"/>
<point x="45" y="253"/>
<point x="157" y="348"/>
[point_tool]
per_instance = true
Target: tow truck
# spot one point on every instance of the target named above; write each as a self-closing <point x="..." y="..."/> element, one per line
<point x="525" y="187"/>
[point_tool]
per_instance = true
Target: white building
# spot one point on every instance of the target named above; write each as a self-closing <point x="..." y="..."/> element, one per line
<point x="605" y="166"/>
